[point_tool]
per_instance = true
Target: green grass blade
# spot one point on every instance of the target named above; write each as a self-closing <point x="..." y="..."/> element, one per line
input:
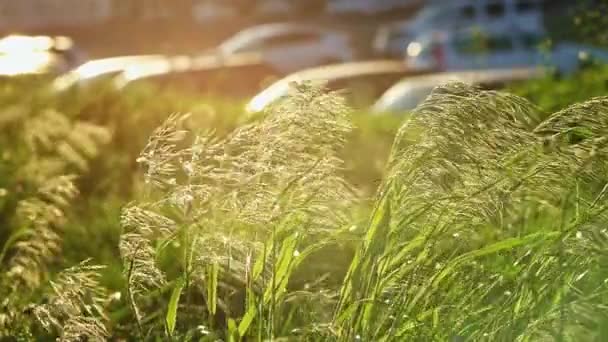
<point x="212" y="276"/>
<point x="171" y="317"/>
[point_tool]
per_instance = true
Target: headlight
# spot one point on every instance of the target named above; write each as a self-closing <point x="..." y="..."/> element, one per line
<point x="414" y="49"/>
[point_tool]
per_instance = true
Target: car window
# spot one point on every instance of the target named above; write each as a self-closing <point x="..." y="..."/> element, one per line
<point x="495" y="10"/>
<point x="292" y="38"/>
<point x="467" y="12"/>
<point x="524" y="6"/>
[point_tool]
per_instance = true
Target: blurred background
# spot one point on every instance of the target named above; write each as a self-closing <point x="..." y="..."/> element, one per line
<point x="108" y="27"/>
<point x="190" y="43"/>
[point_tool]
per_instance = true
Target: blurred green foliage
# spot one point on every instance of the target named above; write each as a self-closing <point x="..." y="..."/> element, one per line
<point x="554" y="92"/>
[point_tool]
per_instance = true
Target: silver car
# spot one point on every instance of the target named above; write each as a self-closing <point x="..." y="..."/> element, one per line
<point x="409" y="93"/>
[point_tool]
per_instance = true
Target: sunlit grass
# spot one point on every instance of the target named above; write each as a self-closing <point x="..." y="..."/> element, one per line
<point x="487" y="218"/>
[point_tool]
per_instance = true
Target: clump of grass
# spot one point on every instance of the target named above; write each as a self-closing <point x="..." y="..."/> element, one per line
<point x="43" y="152"/>
<point x="239" y="213"/>
<point x="75" y="306"/>
<point x="488" y="226"/>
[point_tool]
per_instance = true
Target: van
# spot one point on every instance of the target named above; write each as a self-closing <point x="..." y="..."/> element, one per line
<point x="487" y="47"/>
<point x="454" y="14"/>
<point x="391" y="39"/>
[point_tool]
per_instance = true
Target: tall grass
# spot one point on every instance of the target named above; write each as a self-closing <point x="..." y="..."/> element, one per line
<point x="43" y="153"/>
<point x="237" y="216"/>
<point x="490" y="224"/>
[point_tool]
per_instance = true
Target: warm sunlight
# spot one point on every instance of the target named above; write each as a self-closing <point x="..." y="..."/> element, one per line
<point x="304" y="170"/>
<point x="25" y="63"/>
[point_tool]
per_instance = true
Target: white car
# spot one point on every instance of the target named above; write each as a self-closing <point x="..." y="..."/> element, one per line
<point x="409" y="93"/>
<point x="391" y="39"/>
<point x="483" y="48"/>
<point x="102" y="68"/>
<point x="365" y="80"/>
<point x="291" y="47"/>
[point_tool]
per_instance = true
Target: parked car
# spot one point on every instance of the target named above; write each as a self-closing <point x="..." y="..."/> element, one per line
<point x="364" y="82"/>
<point x="482" y="48"/>
<point x="410" y="92"/>
<point x="456" y="14"/>
<point x="101" y="69"/>
<point x="291" y="47"/>
<point x="238" y="76"/>
<point x="391" y="39"/>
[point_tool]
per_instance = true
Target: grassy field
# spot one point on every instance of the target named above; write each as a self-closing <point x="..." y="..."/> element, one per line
<point x="138" y="215"/>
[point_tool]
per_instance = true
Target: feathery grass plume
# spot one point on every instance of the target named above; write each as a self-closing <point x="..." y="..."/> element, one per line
<point x="75" y="307"/>
<point x="40" y="182"/>
<point x="40" y="217"/>
<point x="161" y="154"/>
<point x="243" y="209"/>
<point x="476" y="230"/>
<point x="53" y="149"/>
